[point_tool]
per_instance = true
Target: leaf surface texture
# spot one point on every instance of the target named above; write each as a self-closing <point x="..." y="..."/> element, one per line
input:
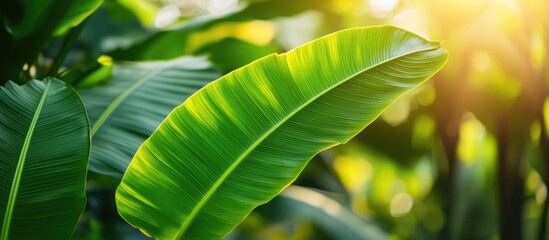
<point x="44" y="150"/>
<point x="239" y="141"/>
<point x="128" y="108"/>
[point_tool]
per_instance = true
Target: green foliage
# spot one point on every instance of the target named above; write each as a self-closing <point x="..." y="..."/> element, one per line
<point x="338" y="220"/>
<point x="239" y="141"/>
<point x="173" y="42"/>
<point x="26" y="17"/>
<point x="29" y="25"/>
<point x="232" y="144"/>
<point x="231" y="53"/>
<point x="44" y="153"/>
<point x="129" y="106"/>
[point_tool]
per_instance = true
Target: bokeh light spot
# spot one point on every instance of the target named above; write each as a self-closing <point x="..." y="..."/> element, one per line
<point x="401" y="204"/>
<point x="166" y="16"/>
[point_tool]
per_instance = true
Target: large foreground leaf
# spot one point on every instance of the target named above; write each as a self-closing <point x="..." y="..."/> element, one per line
<point x="239" y="141"/>
<point x="44" y="148"/>
<point x="129" y="107"/>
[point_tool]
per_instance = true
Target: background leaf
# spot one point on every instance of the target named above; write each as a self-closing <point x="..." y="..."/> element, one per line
<point x="28" y="26"/>
<point x="127" y="109"/>
<point x="27" y="16"/>
<point x="44" y="144"/>
<point x="232" y="53"/>
<point x="338" y="220"/>
<point x="239" y="141"/>
<point x="172" y="42"/>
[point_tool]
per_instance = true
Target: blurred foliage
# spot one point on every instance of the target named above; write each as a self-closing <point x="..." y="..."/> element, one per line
<point x="233" y="53"/>
<point x="464" y="157"/>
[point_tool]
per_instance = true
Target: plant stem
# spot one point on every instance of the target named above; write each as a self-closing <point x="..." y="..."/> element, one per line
<point x="512" y="137"/>
<point x="544" y="143"/>
<point x="66" y="48"/>
<point x="543" y="220"/>
<point x="37" y="72"/>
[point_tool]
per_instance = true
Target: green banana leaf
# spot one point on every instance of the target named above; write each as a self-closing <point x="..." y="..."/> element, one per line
<point x="338" y="221"/>
<point x="24" y="17"/>
<point x="128" y="108"/>
<point x="44" y="149"/>
<point x="236" y="143"/>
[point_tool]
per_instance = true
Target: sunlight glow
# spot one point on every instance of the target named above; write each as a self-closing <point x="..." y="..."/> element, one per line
<point x="166" y="16"/>
<point x="541" y="194"/>
<point x="423" y="131"/>
<point x="535" y="183"/>
<point x="220" y="7"/>
<point x="481" y="61"/>
<point x="472" y="134"/>
<point x="357" y="172"/>
<point x="397" y="112"/>
<point x="346" y="6"/>
<point x="537" y="46"/>
<point x="401" y="204"/>
<point x="412" y="20"/>
<point x="427" y="96"/>
<point x="508" y="18"/>
<point x="380" y="8"/>
<point x="257" y="32"/>
<point x="535" y="131"/>
<point x="315" y="199"/>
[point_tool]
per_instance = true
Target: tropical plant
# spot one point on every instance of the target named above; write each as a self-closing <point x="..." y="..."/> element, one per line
<point x="45" y="148"/>
<point x="240" y="140"/>
<point x="234" y="144"/>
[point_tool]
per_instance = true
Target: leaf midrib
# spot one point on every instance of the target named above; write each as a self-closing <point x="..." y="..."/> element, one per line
<point x="20" y="165"/>
<point x="125" y="94"/>
<point x="221" y="179"/>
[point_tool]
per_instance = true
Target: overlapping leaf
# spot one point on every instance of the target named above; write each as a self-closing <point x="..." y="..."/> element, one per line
<point x="129" y="107"/>
<point x="339" y="221"/>
<point x="27" y="16"/>
<point x="232" y="53"/>
<point x="44" y="149"/>
<point x="239" y="141"/>
<point x="173" y="42"/>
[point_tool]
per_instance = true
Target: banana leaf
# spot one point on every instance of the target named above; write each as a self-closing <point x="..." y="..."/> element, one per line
<point x="127" y="109"/>
<point x="338" y="220"/>
<point x="44" y="149"/>
<point x="239" y="141"/>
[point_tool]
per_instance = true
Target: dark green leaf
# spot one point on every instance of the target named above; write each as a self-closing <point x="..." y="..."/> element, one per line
<point x="62" y="14"/>
<point x="44" y="149"/>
